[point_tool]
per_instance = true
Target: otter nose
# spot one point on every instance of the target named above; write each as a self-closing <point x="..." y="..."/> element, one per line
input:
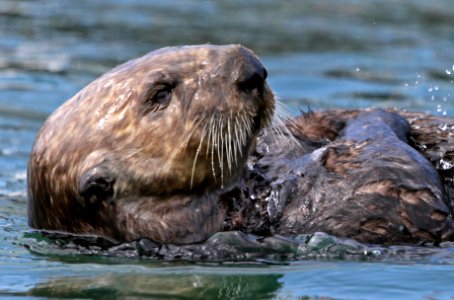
<point x="245" y="70"/>
<point x="252" y="81"/>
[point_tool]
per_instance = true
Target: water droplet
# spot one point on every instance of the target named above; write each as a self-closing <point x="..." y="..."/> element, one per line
<point x="446" y="165"/>
<point x="444" y="113"/>
<point x="405" y="84"/>
<point x="376" y="252"/>
<point x="436" y="87"/>
<point x="448" y="72"/>
<point x="358" y="69"/>
<point x="430" y="89"/>
<point x="432" y="98"/>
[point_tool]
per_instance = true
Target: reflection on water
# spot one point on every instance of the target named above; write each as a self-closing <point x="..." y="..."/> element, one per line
<point x="318" y="53"/>
<point x="184" y="285"/>
<point x="327" y="280"/>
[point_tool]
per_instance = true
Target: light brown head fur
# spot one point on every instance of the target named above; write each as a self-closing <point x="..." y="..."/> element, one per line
<point x="177" y="123"/>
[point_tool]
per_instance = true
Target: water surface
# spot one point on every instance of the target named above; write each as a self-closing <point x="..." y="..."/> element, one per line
<point x="322" y="54"/>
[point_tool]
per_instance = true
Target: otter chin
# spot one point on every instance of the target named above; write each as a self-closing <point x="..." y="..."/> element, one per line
<point x="146" y="149"/>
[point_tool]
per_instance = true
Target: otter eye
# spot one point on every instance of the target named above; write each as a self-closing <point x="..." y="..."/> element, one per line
<point x="159" y="97"/>
<point x="162" y="97"/>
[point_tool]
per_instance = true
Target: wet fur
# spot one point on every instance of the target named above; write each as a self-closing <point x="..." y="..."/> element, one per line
<point x="146" y="149"/>
<point x="354" y="174"/>
<point x="119" y="160"/>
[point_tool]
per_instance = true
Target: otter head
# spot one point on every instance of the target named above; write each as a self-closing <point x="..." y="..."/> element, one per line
<point x="154" y="138"/>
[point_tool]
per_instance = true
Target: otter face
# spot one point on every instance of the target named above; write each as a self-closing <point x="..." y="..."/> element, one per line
<point x="190" y="119"/>
<point x="179" y="120"/>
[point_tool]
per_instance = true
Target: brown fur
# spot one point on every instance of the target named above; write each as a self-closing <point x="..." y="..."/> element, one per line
<point x="130" y="154"/>
<point x="368" y="183"/>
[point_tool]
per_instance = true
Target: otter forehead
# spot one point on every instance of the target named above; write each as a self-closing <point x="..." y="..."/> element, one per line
<point x="232" y="62"/>
<point x="200" y="73"/>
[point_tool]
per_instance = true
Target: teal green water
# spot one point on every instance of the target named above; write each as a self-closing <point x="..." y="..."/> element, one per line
<point x="321" y="54"/>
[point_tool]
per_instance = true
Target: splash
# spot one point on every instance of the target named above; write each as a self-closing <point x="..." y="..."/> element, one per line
<point x="234" y="246"/>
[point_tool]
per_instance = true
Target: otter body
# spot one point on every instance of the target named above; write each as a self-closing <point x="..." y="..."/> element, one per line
<point x="354" y="175"/>
<point x="158" y="148"/>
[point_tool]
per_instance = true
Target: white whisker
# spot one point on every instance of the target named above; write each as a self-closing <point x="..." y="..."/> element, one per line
<point x="209" y="138"/>
<point x="183" y="144"/>
<point x="236" y="144"/>
<point x="202" y="137"/>
<point x="279" y="127"/>
<point x="229" y="146"/>
<point x="213" y="135"/>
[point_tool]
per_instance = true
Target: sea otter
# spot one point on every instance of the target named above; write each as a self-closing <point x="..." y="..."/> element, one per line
<point x="167" y="147"/>
<point x="146" y="149"/>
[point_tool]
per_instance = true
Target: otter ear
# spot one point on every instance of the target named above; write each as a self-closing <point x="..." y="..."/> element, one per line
<point x="96" y="185"/>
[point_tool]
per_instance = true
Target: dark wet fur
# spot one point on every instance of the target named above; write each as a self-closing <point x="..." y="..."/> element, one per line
<point x="368" y="175"/>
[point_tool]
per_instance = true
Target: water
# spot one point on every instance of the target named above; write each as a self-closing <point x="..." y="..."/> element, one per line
<point x="321" y="54"/>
